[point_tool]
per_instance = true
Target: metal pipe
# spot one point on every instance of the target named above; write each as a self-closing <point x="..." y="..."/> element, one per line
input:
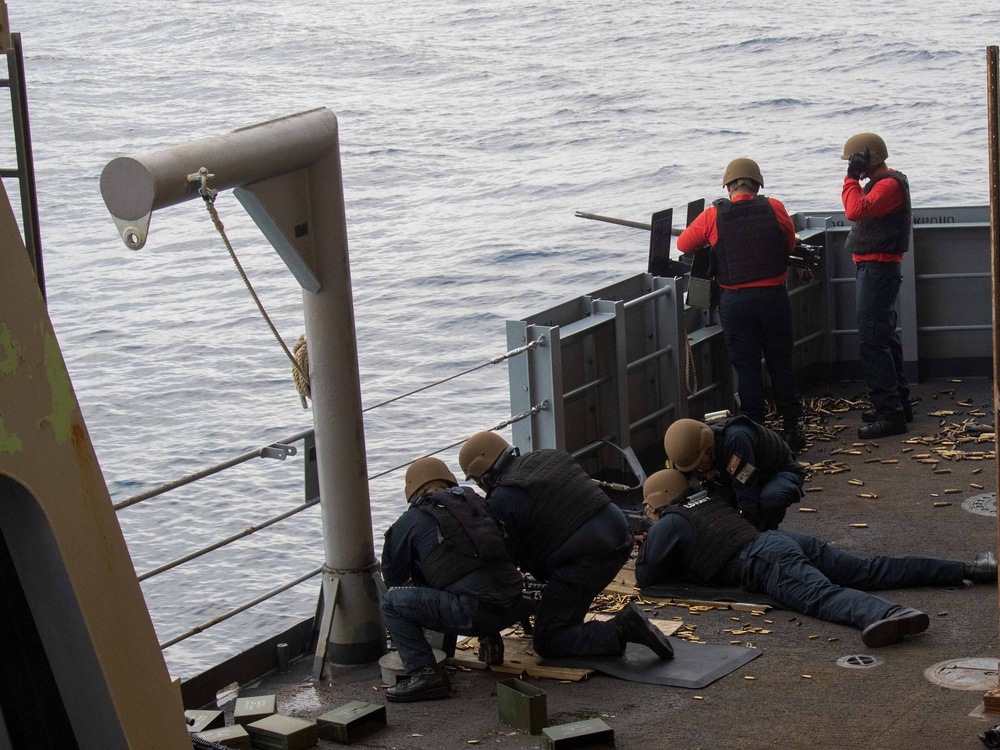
<point x="134" y="187"/>
<point x="259" y="160"/>
<point x="228" y="540"/>
<point x="649" y="296"/>
<point x="242" y="608"/>
<point x="585" y="388"/>
<point x="649" y="357"/>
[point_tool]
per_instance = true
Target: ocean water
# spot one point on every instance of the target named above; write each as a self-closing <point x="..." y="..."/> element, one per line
<point x="470" y="133"/>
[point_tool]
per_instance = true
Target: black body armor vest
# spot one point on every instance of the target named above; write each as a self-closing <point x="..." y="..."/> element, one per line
<point x="720" y="533"/>
<point x="751" y="245"/>
<point x="772" y="453"/>
<point x="563" y="498"/>
<point x="885" y="234"/>
<point x="470" y="537"/>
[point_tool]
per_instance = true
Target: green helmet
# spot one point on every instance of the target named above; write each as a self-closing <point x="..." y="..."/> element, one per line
<point x="425" y="471"/>
<point x="686" y="442"/>
<point x="480" y="453"/>
<point x="877" y="152"/>
<point x="746" y="168"/>
<point x="660" y="489"/>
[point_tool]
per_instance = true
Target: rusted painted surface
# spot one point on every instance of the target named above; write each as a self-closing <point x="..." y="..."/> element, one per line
<point x="45" y="448"/>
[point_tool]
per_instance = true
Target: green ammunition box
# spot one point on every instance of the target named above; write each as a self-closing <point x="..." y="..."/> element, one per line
<point x="351" y="722"/>
<point x="235" y="737"/>
<point x="279" y="732"/>
<point x="199" y="721"/>
<point x="592" y="733"/>
<point x="522" y="705"/>
<point x="249" y="710"/>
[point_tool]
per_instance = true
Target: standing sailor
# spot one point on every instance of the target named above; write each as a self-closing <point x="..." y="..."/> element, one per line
<point x="880" y="233"/>
<point x="751" y="237"/>
<point x="566" y="532"/>
<point x="448" y="544"/>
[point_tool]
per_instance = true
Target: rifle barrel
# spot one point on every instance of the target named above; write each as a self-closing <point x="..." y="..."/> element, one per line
<point x="624" y="222"/>
<point x="612" y="220"/>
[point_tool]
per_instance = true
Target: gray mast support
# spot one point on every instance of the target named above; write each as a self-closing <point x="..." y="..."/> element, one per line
<point x="287" y="175"/>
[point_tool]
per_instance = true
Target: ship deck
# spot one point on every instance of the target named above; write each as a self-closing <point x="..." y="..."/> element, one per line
<point x="891" y="704"/>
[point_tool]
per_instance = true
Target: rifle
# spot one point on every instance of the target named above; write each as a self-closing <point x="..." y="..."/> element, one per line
<point x="660" y="263"/>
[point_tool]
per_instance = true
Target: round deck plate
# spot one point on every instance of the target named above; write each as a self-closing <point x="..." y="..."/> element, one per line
<point x="982" y="505"/>
<point x="858" y="661"/>
<point x="971" y="673"/>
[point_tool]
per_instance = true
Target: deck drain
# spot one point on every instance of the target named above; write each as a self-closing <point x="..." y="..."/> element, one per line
<point x="972" y="673"/>
<point x="858" y="661"/>
<point x="982" y="505"/>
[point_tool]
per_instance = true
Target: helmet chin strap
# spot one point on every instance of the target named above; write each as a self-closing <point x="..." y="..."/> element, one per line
<point x="490" y="478"/>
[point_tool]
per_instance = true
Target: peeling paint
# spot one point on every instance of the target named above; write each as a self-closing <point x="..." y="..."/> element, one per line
<point x="10" y="351"/>
<point x="9" y="443"/>
<point x="63" y="399"/>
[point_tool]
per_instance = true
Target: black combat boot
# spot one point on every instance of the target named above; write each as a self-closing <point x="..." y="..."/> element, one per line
<point x="883" y="427"/>
<point x="425" y="683"/>
<point x="870" y="415"/>
<point x="491" y="649"/>
<point x="983" y="569"/>
<point x="898" y="621"/>
<point x="633" y="627"/>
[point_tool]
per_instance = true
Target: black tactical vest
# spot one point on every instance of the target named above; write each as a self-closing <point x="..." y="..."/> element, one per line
<point x="771" y="454"/>
<point x="885" y="234"/>
<point x="720" y="533"/>
<point x="751" y="245"/>
<point x="470" y="537"/>
<point x="563" y="498"/>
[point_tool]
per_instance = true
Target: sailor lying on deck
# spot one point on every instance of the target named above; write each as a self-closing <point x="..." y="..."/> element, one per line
<point x="699" y="538"/>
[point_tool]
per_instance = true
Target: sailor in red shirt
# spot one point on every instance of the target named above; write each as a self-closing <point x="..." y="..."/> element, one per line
<point x="880" y="234"/>
<point x="751" y="237"/>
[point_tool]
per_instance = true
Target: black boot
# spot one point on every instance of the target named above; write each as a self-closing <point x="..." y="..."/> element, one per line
<point x="633" y="627"/>
<point x="491" y="649"/>
<point x="870" y="415"/>
<point x="898" y="621"/>
<point x="882" y="427"/>
<point x="983" y="569"/>
<point x="421" y="684"/>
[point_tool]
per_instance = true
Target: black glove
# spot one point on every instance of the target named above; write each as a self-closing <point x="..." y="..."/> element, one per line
<point x="857" y="165"/>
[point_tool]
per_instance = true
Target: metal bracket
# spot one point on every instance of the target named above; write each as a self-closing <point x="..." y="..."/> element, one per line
<point x="279" y="451"/>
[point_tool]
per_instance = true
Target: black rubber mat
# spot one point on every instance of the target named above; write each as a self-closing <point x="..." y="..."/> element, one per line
<point x="694" y="665"/>
<point x="708" y="593"/>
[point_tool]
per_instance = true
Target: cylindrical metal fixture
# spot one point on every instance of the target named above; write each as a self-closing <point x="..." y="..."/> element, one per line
<point x="281" y="656"/>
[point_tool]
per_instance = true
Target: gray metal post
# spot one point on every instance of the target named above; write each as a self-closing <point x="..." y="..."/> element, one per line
<point x="288" y="176"/>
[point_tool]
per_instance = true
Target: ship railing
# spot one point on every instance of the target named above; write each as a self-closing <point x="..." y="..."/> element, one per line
<point x="281" y="450"/>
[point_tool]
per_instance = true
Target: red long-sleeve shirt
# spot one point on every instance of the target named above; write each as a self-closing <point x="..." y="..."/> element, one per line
<point x="704" y="231"/>
<point x="885" y="197"/>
